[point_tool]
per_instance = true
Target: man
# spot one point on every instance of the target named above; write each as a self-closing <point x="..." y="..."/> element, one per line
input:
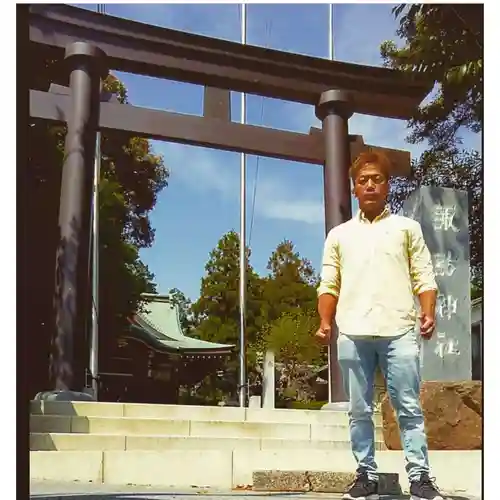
<point x="373" y="266"/>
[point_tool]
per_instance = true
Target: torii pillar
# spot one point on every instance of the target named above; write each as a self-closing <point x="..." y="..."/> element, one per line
<point x="334" y="112"/>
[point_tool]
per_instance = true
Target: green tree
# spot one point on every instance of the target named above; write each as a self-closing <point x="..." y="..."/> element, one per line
<point x="444" y="42"/>
<point x="289" y="311"/>
<point x="458" y="170"/>
<point x="291" y="338"/>
<point x="217" y="310"/>
<point x="131" y="177"/>
<point x="291" y="284"/>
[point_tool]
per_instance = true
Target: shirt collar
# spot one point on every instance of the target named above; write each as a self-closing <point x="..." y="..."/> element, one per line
<point x="385" y="213"/>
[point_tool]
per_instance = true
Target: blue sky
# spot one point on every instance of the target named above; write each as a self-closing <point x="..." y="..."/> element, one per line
<point x="201" y="202"/>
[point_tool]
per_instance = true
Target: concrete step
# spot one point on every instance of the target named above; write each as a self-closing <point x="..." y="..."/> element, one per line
<point x="158" y="426"/>
<point x="456" y="471"/>
<point x="109" y="442"/>
<point x="184" y="412"/>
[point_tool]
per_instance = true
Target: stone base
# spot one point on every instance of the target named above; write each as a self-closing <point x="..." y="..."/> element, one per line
<point x="338" y="406"/>
<point x="318" y="482"/>
<point x="63" y="396"/>
<point x="275" y="480"/>
<point x="453" y="416"/>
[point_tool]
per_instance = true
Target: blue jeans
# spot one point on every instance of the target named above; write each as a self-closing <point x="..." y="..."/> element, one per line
<point x="399" y="361"/>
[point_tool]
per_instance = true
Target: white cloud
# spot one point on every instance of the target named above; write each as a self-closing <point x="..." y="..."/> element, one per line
<point x="206" y="171"/>
<point x="276" y="201"/>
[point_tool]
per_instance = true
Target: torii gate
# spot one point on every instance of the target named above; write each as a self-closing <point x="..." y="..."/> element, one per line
<point x="94" y="43"/>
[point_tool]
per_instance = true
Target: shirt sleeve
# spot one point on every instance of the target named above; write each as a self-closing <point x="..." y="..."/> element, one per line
<point x="330" y="271"/>
<point x="421" y="269"/>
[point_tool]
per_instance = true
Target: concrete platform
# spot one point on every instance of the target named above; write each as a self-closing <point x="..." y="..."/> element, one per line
<point x="456" y="472"/>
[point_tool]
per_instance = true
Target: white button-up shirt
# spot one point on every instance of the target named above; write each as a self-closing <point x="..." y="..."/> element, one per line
<point x="375" y="269"/>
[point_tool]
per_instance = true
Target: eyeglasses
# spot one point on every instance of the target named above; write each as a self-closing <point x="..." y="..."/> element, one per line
<point x="376" y="179"/>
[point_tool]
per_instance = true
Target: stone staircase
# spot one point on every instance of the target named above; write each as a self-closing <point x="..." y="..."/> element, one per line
<point x="64" y="426"/>
<point x="185" y="446"/>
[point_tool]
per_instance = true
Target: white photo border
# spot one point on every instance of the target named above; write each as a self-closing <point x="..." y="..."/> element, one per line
<point x="492" y="267"/>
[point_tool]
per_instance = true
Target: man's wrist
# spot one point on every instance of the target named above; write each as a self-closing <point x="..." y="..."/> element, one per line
<point x="427" y="301"/>
<point x="325" y="321"/>
<point x="429" y="309"/>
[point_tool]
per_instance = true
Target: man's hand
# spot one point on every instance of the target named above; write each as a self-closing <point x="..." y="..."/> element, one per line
<point x="427" y="301"/>
<point x="427" y="325"/>
<point x="324" y="333"/>
<point x="327" y="306"/>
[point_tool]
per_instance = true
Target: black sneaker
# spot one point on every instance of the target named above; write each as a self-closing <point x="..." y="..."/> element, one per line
<point x="362" y="489"/>
<point x="425" y="489"/>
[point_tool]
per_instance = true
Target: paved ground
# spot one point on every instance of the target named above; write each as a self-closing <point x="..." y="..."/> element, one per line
<point x="81" y="491"/>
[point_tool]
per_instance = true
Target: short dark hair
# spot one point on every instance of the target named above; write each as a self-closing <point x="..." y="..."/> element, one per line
<point x="370" y="157"/>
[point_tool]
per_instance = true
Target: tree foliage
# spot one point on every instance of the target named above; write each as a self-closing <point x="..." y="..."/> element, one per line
<point x="280" y="314"/>
<point x="217" y="309"/>
<point x="131" y="178"/>
<point x="291" y="338"/>
<point x="444" y="42"/>
<point x="458" y="170"/>
<point x="291" y="283"/>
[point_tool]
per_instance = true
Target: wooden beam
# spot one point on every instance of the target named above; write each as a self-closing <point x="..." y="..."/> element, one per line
<point x="202" y="131"/>
<point x="217" y="103"/>
<point x="164" y="53"/>
<point x="188" y="129"/>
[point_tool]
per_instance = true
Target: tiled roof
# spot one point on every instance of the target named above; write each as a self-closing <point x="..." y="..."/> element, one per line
<point x="160" y="325"/>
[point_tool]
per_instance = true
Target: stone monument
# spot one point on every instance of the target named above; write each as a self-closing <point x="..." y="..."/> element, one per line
<point x="443" y="215"/>
<point x="451" y="402"/>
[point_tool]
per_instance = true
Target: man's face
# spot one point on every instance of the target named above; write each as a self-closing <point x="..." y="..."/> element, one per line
<point x="371" y="188"/>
